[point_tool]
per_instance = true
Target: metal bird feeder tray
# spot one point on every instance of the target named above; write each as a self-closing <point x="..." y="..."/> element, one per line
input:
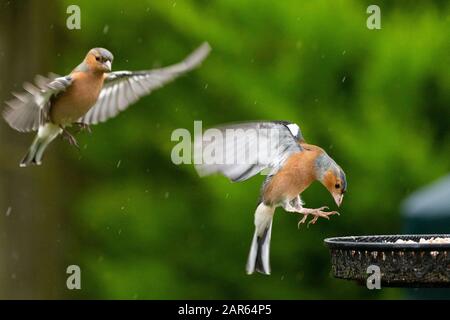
<point x="401" y="264"/>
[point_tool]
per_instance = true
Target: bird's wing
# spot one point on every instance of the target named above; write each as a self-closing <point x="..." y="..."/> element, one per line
<point x="240" y="151"/>
<point x="29" y="109"/>
<point x="123" y="88"/>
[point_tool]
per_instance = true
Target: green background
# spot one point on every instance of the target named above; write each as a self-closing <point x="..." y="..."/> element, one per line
<point x="141" y="227"/>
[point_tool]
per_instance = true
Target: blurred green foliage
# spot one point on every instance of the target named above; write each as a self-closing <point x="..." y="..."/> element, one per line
<point x="376" y="100"/>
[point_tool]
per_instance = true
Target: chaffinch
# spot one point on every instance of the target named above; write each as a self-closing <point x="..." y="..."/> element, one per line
<point x="90" y="94"/>
<point x="291" y="166"/>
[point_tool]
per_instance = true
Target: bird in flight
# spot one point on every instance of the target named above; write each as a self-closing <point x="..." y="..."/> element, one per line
<point x="90" y="94"/>
<point x="278" y="149"/>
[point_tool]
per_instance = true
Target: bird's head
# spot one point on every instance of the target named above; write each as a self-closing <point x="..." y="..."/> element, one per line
<point x="99" y="59"/>
<point x="331" y="175"/>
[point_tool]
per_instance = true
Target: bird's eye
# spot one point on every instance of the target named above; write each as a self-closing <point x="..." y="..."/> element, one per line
<point x="337" y="185"/>
<point x="97" y="58"/>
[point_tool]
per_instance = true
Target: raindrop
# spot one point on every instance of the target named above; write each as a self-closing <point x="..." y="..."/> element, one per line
<point x="206" y="86"/>
<point x="174" y="4"/>
<point x="119" y="232"/>
<point x="105" y="29"/>
<point x="122" y="208"/>
<point x="344" y="52"/>
<point x="118" y="163"/>
<point x="343" y="79"/>
<point x="8" y="211"/>
<point x="166" y="195"/>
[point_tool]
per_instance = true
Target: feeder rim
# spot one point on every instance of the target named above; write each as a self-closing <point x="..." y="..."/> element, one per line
<point x="370" y="243"/>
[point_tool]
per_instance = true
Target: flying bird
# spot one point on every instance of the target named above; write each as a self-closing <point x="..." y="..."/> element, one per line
<point x="90" y="94"/>
<point x="278" y="149"/>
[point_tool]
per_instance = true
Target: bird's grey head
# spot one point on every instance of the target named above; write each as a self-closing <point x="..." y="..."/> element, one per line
<point x="104" y="53"/>
<point x="100" y="59"/>
<point x="331" y="175"/>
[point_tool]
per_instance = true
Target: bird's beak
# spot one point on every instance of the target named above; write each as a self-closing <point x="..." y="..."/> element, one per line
<point x="338" y="198"/>
<point x="107" y="65"/>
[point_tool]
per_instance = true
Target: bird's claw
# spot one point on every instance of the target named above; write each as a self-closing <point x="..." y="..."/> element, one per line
<point x="70" y="138"/>
<point x="83" y="127"/>
<point x="72" y="141"/>
<point x="317" y="213"/>
<point x="302" y="221"/>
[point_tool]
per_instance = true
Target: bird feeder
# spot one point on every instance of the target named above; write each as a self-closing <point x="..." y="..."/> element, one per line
<point x="412" y="260"/>
<point x="403" y="260"/>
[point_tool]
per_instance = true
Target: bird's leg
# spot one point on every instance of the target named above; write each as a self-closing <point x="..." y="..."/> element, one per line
<point x="69" y="137"/>
<point x="317" y="213"/>
<point x="83" y="127"/>
<point x="296" y="205"/>
<point x="293" y="205"/>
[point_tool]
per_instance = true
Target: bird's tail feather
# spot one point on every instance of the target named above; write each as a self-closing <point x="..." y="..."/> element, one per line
<point x="45" y="135"/>
<point x="35" y="152"/>
<point x="258" y="258"/>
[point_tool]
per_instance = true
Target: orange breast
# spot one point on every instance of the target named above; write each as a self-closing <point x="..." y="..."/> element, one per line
<point x="296" y="175"/>
<point x="76" y="101"/>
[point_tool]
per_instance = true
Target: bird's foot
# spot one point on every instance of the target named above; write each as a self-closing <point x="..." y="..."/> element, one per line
<point x="70" y="138"/>
<point x="83" y="127"/>
<point x="316" y="213"/>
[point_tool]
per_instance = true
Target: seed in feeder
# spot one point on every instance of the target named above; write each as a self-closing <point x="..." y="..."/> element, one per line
<point x="423" y="240"/>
